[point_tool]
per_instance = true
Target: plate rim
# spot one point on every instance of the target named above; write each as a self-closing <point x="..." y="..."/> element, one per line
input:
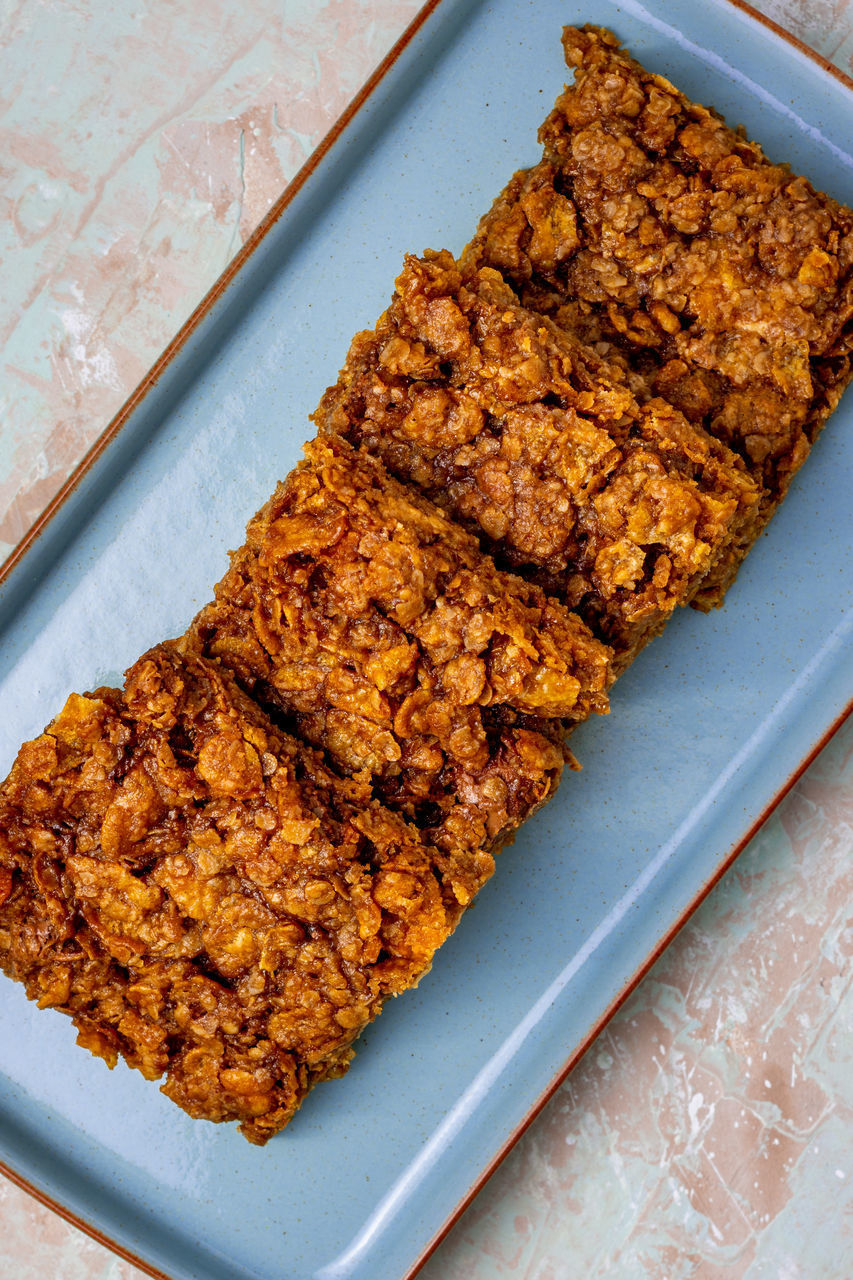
<point x="630" y="986"/>
<point x="113" y="428"/>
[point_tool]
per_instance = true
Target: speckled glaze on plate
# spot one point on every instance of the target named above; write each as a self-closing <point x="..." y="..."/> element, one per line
<point x="707" y="727"/>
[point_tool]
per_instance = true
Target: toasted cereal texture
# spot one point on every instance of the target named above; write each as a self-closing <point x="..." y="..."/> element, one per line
<point x="652" y="227"/>
<point x="532" y="440"/>
<point x="376" y="626"/>
<point x="204" y="897"/>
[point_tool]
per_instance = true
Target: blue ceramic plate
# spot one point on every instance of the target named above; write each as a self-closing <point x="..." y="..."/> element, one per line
<point x="706" y="727"/>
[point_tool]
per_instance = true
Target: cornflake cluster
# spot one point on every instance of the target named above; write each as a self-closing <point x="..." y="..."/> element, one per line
<point x="531" y="439"/>
<point x="223" y="870"/>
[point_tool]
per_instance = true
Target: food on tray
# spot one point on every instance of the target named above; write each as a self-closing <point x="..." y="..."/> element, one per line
<point x="384" y="635"/>
<point x="610" y="392"/>
<point x="525" y="434"/>
<point x="725" y="281"/>
<point x="204" y="896"/>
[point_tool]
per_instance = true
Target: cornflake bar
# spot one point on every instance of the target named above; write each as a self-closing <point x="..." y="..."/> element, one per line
<point x="204" y="897"/>
<point x="530" y="438"/>
<point x="652" y="227"/>
<point x="379" y="629"/>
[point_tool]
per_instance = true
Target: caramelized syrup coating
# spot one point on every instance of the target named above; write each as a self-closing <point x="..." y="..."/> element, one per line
<point x="204" y="897"/>
<point x="358" y="610"/>
<point x="653" y="229"/>
<point x="535" y="442"/>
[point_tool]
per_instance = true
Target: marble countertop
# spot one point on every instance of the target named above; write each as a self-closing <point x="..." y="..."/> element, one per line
<point x="708" y="1132"/>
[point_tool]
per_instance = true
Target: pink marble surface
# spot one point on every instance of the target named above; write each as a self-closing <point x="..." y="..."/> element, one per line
<point x="709" y="1131"/>
<point x="140" y="145"/>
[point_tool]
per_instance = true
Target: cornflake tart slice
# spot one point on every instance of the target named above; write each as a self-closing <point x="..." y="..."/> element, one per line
<point x="358" y="610"/>
<point x="204" y="897"/>
<point x="526" y="435"/>
<point x="653" y="228"/>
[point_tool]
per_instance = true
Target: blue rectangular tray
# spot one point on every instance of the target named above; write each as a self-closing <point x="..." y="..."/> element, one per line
<point x="706" y="730"/>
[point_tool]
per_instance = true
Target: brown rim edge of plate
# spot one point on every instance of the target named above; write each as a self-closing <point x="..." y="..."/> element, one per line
<point x="113" y="428"/>
<point x="94" y="1232"/>
<point x="731" y="858"/>
<point x="790" y="38"/>
<point x="630" y="986"/>
<point x="215" y="292"/>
